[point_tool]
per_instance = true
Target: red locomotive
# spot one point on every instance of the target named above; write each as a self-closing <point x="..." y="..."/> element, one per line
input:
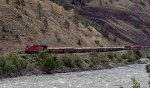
<point x="35" y="48"/>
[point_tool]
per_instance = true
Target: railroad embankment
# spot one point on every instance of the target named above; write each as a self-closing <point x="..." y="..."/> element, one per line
<point x="12" y="65"/>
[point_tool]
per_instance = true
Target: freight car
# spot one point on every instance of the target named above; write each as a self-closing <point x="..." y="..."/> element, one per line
<point x="134" y="47"/>
<point x="56" y="50"/>
<point x="61" y="50"/>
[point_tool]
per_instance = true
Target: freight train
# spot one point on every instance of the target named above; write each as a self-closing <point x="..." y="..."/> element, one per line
<point x="38" y="48"/>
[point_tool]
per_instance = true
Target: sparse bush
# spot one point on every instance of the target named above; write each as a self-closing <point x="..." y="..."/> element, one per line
<point x="79" y="42"/>
<point x="97" y="42"/>
<point x="7" y="1"/>
<point x="57" y="37"/>
<point x="100" y="3"/>
<point x="86" y="22"/>
<point x="142" y="3"/>
<point x="18" y="15"/>
<point x="67" y="25"/>
<point x="59" y="2"/>
<point x="22" y="2"/>
<point x="17" y="2"/>
<point x="105" y="33"/>
<point x="3" y="29"/>
<point x="45" y="23"/>
<point x="39" y="9"/>
<point x="115" y="39"/>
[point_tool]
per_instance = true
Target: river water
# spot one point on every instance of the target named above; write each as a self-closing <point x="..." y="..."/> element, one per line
<point x="109" y="78"/>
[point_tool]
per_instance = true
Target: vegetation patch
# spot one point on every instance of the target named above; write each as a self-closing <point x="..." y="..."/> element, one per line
<point x="49" y="63"/>
<point x="12" y="63"/>
<point x="148" y="68"/>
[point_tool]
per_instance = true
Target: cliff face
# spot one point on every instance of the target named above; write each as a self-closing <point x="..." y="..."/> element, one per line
<point x="43" y="22"/>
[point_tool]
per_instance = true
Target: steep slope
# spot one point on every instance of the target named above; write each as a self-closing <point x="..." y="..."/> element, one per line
<point x="126" y="4"/>
<point x="124" y="24"/>
<point x="127" y="20"/>
<point x="106" y="23"/>
<point x="43" y="22"/>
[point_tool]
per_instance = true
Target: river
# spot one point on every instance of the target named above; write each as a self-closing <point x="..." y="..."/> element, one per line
<point x="108" y="78"/>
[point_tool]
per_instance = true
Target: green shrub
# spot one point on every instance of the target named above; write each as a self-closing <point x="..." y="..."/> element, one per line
<point x="139" y="55"/>
<point x="104" y="59"/>
<point x="95" y="59"/>
<point x="48" y="62"/>
<point x="12" y="63"/>
<point x="30" y="67"/>
<point x="130" y="57"/>
<point x="68" y="61"/>
<point x="79" y="62"/>
<point x="98" y="59"/>
<point x="148" y="68"/>
<point x="9" y="68"/>
<point x="73" y="61"/>
<point x="135" y="83"/>
<point x="115" y="58"/>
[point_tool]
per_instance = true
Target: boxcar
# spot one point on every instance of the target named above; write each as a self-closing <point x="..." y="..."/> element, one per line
<point x="56" y="50"/>
<point x="69" y="50"/>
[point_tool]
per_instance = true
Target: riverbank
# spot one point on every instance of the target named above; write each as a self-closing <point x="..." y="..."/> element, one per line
<point x="13" y="65"/>
<point x="107" y="78"/>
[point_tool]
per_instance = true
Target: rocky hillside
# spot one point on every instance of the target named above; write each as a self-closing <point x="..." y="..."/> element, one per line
<point x="127" y="20"/>
<point x="43" y="22"/>
<point x="126" y="4"/>
<point x="92" y="23"/>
